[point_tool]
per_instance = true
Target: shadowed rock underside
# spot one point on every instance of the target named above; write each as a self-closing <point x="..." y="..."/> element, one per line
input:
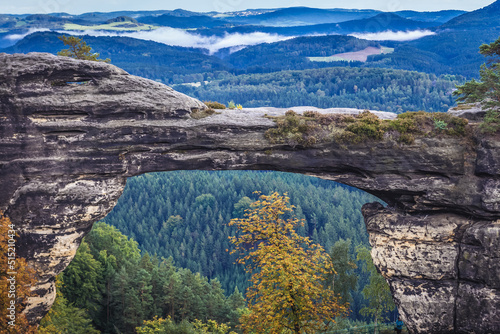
<point x="72" y="132"/>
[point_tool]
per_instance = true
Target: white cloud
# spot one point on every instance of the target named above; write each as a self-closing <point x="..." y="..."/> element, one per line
<point x="16" y="37"/>
<point x="394" y="35"/>
<point x="179" y="37"/>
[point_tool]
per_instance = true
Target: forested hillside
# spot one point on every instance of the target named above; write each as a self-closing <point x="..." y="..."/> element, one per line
<point x="111" y="287"/>
<point x="181" y="267"/>
<point x="485" y="18"/>
<point x="448" y="52"/>
<point x="377" y="89"/>
<point x="144" y="58"/>
<point x="184" y="215"/>
<point x="293" y="53"/>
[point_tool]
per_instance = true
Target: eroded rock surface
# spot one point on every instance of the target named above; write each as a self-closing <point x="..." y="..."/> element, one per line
<point x="442" y="266"/>
<point x="71" y="132"/>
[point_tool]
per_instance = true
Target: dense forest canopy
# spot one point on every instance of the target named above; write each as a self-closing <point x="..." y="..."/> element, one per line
<point x="185" y="215"/>
<point x="377" y="89"/>
<point x="185" y="271"/>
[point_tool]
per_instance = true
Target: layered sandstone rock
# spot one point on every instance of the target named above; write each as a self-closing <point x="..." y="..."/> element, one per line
<point x="71" y="132"/>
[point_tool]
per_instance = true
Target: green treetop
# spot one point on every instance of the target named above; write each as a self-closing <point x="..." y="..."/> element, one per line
<point x="377" y="292"/>
<point x="486" y="91"/>
<point x="78" y="49"/>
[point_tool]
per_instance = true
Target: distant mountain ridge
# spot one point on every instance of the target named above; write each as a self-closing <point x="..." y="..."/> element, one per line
<point x="298" y="16"/>
<point x="182" y="21"/>
<point x="485" y="17"/>
<point x="293" y="17"/>
<point x="378" y="23"/>
<point x="441" y="16"/>
<point x="382" y="22"/>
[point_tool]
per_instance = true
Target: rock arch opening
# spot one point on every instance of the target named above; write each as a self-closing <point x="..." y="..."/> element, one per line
<point x="172" y="213"/>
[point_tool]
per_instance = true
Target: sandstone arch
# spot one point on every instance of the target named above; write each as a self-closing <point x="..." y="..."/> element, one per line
<point x="71" y="132"/>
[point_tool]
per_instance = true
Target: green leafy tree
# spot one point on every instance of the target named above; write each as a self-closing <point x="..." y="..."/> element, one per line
<point x="83" y="280"/>
<point x="377" y="292"/>
<point x="288" y="272"/>
<point x="236" y="303"/>
<point x="486" y="91"/>
<point x="64" y="317"/>
<point x="205" y="200"/>
<point x="172" y="221"/>
<point x="241" y="207"/>
<point x="344" y="279"/>
<point x="78" y="49"/>
<point x="105" y="237"/>
<point x="167" y="326"/>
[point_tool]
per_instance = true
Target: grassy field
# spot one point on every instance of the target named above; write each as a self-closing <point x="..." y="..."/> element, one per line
<point x="361" y="55"/>
<point x="114" y="26"/>
<point x="326" y="59"/>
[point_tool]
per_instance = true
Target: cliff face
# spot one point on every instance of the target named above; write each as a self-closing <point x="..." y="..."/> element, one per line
<point x="71" y="132"/>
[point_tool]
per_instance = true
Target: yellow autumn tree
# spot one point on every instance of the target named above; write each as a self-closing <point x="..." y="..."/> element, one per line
<point x="288" y="294"/>
<point x="16" y="279"/>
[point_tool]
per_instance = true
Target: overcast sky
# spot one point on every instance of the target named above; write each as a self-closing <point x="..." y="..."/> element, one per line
<point x="77" y="7"/>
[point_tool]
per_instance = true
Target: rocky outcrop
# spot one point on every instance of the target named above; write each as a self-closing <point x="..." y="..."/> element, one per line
<point x="442" y="267"/>
<point x="71" y="132"/>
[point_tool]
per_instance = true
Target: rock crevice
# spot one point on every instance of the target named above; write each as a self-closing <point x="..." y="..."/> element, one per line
<point x="72" y="132"/>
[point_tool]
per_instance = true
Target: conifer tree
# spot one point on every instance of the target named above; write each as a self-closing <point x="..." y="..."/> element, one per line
<point x="83" y="281"/>
<point x="78" y="49"/>
<point x="344" y="279"/>
<point x="64" y="317"/>
<point x="486" y="91"/>
<point x="377" y="292"/>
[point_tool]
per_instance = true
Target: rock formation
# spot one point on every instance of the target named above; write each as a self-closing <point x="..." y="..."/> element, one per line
<point x="72" y="132"/>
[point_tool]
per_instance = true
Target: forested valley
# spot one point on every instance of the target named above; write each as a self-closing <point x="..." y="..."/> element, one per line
<point x="281" y="75"/>
<point x="184" y="215"/>
<point x="176" y="264"/>
<point x="342" y="87"/>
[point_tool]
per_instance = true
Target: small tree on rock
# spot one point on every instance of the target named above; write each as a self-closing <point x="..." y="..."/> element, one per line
<point x="78" y="49"/>
<point x="486" y="91"/>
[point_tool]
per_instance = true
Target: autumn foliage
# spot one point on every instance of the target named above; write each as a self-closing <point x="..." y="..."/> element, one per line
<point x="288" y="294"/>
<point x="13" y="269"/>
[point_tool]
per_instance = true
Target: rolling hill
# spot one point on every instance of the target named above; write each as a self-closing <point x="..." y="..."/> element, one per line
<point x="292" y="53"/>
<point x="297" y="16"/>
<point x="441" y="16"/>
<point x="448" y="52"/>
<point x="378" y="23"/>
<point x="183" y="22"/>
<point x="140" y="57"/>
<point x="383" y="22"/>
<point x="484" y="18"/>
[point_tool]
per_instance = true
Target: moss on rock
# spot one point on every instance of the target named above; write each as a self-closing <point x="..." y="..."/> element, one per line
<point x="313" y="127"/>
